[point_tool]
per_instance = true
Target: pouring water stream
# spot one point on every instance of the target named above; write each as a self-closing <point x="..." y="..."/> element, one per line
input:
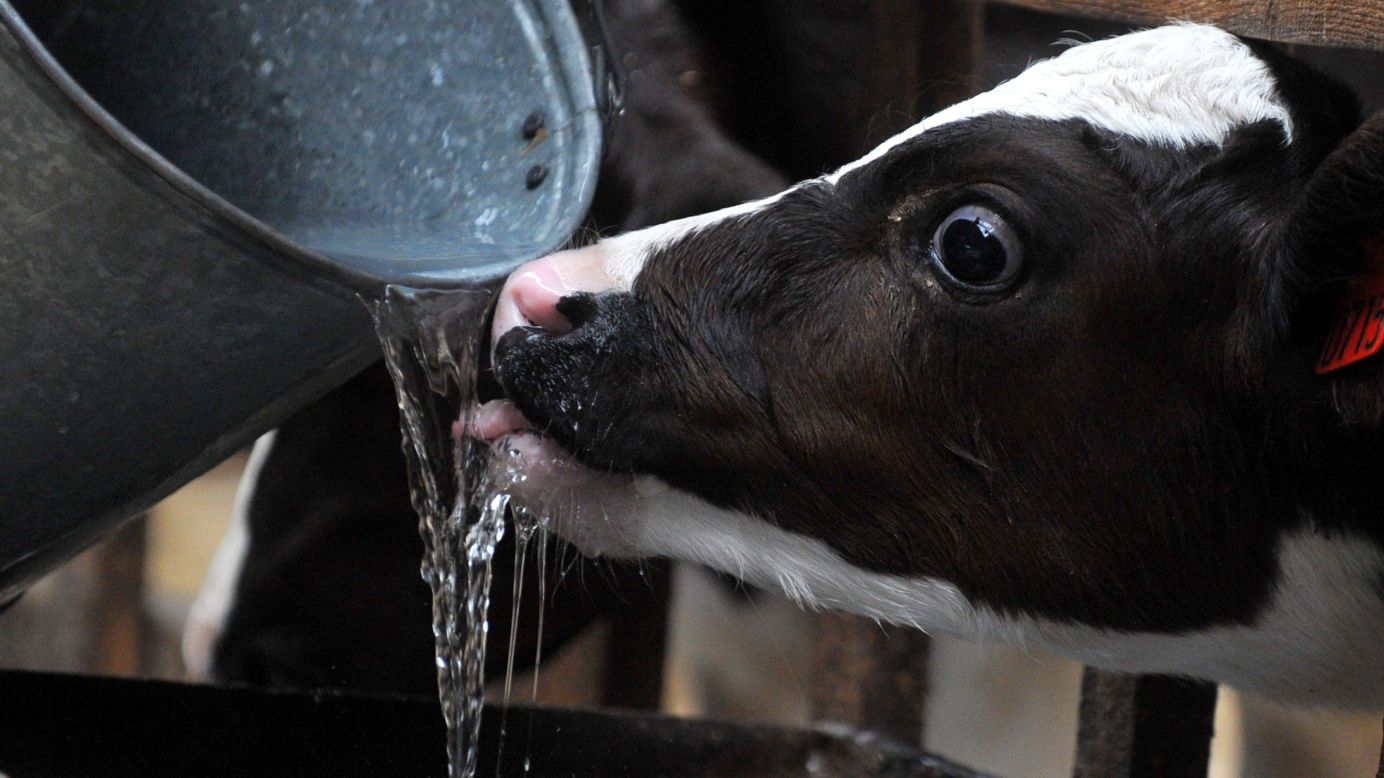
<point x="459" y="490"/>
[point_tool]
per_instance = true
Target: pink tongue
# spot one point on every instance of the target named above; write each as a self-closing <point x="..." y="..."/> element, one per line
<point x="494" y="420"/>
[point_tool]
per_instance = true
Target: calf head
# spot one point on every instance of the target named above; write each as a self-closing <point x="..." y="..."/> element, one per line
<point x="1046" y="355"/>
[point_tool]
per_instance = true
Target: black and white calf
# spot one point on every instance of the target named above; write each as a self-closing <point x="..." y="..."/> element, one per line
<point x="1039" y="369"/>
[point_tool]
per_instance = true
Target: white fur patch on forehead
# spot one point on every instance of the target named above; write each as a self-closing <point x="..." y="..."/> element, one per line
<point x="626" y="254"/>
<point x="1179" y="85"/>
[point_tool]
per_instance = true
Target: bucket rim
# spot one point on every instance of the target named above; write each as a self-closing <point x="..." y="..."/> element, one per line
<point x="570" y="54"/>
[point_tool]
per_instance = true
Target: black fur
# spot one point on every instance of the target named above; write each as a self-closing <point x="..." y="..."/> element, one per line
<point x="1119" y="440"/>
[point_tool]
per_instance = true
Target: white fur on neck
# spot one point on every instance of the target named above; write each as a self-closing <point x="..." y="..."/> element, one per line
<point x="1320" y="640"/>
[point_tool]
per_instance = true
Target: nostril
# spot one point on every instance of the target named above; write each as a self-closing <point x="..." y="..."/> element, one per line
<point x="544" y="294"/>
<point x="577" y="309"/>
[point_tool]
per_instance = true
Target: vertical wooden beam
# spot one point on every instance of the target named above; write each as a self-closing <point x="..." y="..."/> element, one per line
<point x="116" y="602"/>
<point x="1143" y="726"/>
<point x="637" y="646"/>
<point x="868" y="678"/>
<point x="889" y="67"/>
<point x="845" y="75"/>
<point x="950" y="53"/>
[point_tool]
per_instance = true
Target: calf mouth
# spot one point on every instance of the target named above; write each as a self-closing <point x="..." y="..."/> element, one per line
<point x="496" y="418"/>
<point x="536" y="405"/>
<point x="500" y="425"/>
<point x="538" y="459"/>
<point x="588" y="390"/>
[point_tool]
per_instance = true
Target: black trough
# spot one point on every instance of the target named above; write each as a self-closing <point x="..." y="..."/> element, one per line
<point x="64" y="725"/>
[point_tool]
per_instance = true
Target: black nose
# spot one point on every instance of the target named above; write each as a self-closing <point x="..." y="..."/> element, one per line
<point x="535" y="366"/>
<point x="515" y="340"/>
<point x="580" y="310"/>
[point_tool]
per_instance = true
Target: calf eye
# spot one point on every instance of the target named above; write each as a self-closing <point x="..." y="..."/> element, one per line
<point x="976" y="247"/>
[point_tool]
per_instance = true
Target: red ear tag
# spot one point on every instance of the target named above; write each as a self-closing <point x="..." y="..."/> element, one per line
<point x="1358" y="330"/>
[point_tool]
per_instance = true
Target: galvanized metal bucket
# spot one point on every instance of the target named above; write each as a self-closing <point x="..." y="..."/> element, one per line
<point x="193" y="193"/>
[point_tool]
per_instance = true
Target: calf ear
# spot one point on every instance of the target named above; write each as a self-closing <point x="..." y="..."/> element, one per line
<point x="1341" y="206"/>
<point x="1333" y="246"/>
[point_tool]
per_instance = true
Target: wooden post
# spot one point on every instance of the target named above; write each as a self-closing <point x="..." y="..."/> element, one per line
<point x="116" y="604"/>
<point x="637" y="646"/>
<point x="890" y="68"/>
<point x="852" y="71"/>
<point x="1143" y="726"/>
<point x="950" y="53"/>
<point x="868" y="678"/>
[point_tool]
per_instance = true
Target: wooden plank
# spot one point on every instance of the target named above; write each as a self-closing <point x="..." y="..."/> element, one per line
<point x="1143" y="726"/>
<point x="1357" y="24"/>
<point x="889" y="60"/>
<point x="868" y="678"/>
<point x="637" y="647"/>
<point x="951" y="50"/>
<point x="117" y="602"/>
